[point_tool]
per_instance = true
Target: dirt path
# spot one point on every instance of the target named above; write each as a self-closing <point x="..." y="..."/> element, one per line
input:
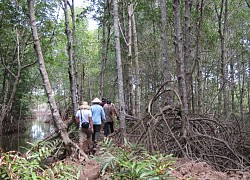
<point x="185" y="169"/>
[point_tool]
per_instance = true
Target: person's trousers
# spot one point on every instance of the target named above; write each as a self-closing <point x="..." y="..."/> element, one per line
<point x="108" y="126"/>
<point x="83" y="132"/>
<point x="96" y="134"/>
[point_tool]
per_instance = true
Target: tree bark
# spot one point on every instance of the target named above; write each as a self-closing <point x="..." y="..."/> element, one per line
<point x="222" y="30"/>
<point x="164" y="47"/>
<point x="187" y="52"/>
<point x="179" y="56"/>
<point x="74" y="53"/>
<point x="104" y="59"/>
<point x="199" y="10"/>
<point x="232" y="84"/>
<point x="61" y="127"/>
<point x="119" y="70"/>
<point x="89" y="89"/>
<point x="105" y="44"/>
<point x="248" y="85"/>
<point x="71" y="62"/>
<point x="82" y="95"/>
<point x="10" y="93"/>
<point x="242" y="89"/>
<point x="137" y="69"/>
<point x="180" y="67"/>
<point x="130" y="73"/>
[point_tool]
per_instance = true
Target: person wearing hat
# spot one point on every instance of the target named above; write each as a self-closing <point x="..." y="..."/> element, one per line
<point x="98" y="115"/>
<point x="84" y="118"/>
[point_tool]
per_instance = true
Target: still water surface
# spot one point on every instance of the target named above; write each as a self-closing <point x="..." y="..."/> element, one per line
<point x="36" y="130"/>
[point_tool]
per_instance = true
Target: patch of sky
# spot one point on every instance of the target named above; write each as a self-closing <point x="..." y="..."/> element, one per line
<point x="92" y="24"/>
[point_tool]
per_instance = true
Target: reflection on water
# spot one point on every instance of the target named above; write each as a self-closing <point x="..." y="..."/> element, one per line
<point x="36" y="130"/>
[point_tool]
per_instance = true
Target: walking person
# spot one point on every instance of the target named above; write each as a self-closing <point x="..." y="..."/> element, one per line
<point x="84" y="118"/>
<point x="103" y="102"/>
<point x="110" y="114"/>
<point x="98" y="115"/>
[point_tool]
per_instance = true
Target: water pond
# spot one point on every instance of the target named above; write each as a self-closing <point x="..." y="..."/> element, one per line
<point x="20" y="141"/>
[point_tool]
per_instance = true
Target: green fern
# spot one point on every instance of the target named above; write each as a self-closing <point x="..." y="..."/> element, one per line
<point x="14" y="166"/>
<point x="133" y="162"/>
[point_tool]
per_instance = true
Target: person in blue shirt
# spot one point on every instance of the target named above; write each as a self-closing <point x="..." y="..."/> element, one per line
<point x="98" y="116"/>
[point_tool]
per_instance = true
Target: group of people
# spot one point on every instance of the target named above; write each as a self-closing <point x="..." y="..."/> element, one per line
<point x="91" y="118"/>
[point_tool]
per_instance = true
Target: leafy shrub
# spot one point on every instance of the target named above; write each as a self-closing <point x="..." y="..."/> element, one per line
<point x="13" y="165"/>
<point x="133" y="162"/>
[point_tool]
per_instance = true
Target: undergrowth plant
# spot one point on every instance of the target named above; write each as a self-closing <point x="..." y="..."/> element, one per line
<point x="32" y="165"/>
<point x="133" y="162"/>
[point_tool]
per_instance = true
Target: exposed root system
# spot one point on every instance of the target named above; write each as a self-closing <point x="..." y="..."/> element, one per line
<point x="223" y="143"/>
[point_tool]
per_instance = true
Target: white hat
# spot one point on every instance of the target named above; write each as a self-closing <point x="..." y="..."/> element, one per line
<point x="84" y="105"/>
<point x="96" y="100"/>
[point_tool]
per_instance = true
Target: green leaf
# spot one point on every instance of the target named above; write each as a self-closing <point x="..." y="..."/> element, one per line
<point x="33" y="175"/>
<point x="146" y="174"/>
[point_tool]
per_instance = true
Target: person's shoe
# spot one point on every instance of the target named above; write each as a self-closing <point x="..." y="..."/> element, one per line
<point x="95" y="144"/>
<point x="91" y="146"/>
<point x="86" y="151"/>
<point x="93" y="150"/>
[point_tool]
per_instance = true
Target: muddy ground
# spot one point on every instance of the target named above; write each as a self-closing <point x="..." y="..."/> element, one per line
<point x="184" y="169"/>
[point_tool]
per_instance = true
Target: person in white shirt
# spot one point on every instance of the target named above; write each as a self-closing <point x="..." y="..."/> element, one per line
<point x="84" y="118"/>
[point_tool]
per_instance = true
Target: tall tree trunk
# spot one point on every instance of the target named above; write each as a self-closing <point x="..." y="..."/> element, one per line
<point x="224" y="60"/>
<point x="105" y="44"/>
<point x="154" y="65"/>
<point x="104" y="58"/>
<point x="199" y="10"/>
<point x="10" y="94"/>
<point x="119" y="70"/>
<point x="180" y="67"/>
<point x="82" y="95"/>
<point x="179" y="55"/>
<point x="164" y="47"/>
<point x="130" y="74"/>
<point x="61" y="127"/>
<point x="7" y="106"/>
<point x="248" y="85"/>
<point x="232" y="84"/>
<point x="55" y="113"/>
<point x="123" y="26"/>
<point x="137" y="69"/>
<point x="71" y="62"/>
<point x="89" y="89"/>
<point x="241" y="88"/>
<point x="219" y="89"/>
<point x="222" y="22"/>
<point x="74" y="53"/>
<point x="187" y="52"/>
<point x="5" y="90"/>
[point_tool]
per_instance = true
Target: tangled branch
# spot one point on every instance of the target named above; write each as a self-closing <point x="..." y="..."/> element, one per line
<point x="220" y="143"/>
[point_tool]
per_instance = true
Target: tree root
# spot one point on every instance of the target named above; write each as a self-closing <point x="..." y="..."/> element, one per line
<point x="219" y="142"/>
